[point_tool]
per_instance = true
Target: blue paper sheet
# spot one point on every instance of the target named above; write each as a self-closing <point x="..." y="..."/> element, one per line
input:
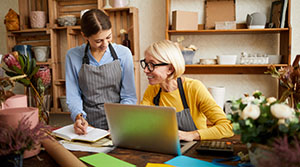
<point x="184" y="161"/>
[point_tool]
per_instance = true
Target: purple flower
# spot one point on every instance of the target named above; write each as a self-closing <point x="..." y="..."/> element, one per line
<point x="12" y="60"/>
<point x="21" y="138"/>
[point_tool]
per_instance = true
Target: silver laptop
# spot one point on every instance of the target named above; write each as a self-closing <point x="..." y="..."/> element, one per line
<point x="147" y="128"/>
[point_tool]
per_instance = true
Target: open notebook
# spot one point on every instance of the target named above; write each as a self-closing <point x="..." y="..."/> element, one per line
<point x="148" y="128"/>
<point x="68" y="133"/>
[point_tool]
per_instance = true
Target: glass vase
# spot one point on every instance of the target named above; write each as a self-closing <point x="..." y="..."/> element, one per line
<point x="42" y="104"/>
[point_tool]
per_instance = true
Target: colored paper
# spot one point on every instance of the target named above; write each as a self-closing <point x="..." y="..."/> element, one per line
<point x="102" y="159"/>
<point x="158" y="165"/>
<point x="183" y="161"/>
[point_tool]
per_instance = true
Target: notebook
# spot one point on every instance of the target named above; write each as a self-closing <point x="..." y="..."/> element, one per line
<point x="147" y="128"/>
<point x="93" y="134"/>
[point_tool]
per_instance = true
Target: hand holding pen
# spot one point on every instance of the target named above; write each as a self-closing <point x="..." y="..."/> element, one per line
<point x="80" y="125"/>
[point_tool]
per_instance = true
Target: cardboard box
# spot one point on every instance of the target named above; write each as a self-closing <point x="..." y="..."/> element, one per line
<point x="183" y="20"/>
<point x="217" y="11"/>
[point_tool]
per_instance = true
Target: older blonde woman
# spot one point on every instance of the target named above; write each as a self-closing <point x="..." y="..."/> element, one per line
<point x="164" y="67"/>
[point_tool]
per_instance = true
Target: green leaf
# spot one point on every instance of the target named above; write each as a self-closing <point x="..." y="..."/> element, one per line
<point x="24" y="81"/>
<point x="35" y="70"/>
<point x="29" y="67"/>
<point x="17" y="70"/>
<point x="21" y="61"/>
<point x="298" y="106"/>
<point x="11" y="73"/>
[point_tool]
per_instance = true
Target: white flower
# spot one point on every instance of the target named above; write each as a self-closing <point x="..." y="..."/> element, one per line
<point x="281" y="111"/>
<point x="271" y="100"/>
<point x="250" y="111"/>
<point x="258" y="101"/>
<point x="247" y="100"/>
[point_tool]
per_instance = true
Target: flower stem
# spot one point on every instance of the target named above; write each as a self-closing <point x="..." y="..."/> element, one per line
<point x="40" y="101"/>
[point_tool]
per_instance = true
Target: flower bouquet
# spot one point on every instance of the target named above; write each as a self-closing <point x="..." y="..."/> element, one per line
<point x="266" y="122"/>
<point x="37" y="78"/>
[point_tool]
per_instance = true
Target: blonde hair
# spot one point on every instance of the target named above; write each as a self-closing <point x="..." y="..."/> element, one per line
<point x="169" y="52"/>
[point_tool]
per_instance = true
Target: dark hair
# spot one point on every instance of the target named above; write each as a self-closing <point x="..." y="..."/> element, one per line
<point x="93" y="21"/>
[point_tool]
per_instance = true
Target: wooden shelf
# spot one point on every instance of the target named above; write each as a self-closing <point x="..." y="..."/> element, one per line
<point x="235" y="31"/>
<point x="48" y="62"/>
<point x="119" y="9"/>
<point x="31" y="30"/>
<point x="229" y="69"/>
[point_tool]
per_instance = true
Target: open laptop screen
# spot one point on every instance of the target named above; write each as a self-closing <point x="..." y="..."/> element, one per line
<point x="148" y="128"/>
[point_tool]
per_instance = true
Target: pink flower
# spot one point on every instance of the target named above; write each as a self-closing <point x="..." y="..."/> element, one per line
<point x="12" y="60"/>
<point x="44" y="74"/>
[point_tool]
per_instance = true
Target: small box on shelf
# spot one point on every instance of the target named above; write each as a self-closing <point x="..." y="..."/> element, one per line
<point x="184" y="20"/>
<point x="225" y="25"/>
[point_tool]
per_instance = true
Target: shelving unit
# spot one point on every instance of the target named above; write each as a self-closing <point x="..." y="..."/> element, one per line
<point x="61" y="39"/>
<point x="284" y="45"/>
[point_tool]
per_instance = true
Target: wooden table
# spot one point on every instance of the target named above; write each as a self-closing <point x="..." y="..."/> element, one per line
<point x="138" y="158"/>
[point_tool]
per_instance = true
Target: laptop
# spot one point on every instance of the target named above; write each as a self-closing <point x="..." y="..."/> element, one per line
<point x="147" y="128"/>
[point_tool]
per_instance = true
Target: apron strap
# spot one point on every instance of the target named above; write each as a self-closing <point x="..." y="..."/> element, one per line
<point x="112" y="51"/>
<point x="181" y="91"/>
<point x="86" y="60"/>
<point x="182" y="95"/>
<point x="156" y="98"/>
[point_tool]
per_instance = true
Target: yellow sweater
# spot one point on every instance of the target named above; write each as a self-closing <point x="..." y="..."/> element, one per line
<point x="202" y="106"/>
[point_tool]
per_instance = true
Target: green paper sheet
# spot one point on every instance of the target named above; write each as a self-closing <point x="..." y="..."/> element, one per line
<point x="102" y="159"/>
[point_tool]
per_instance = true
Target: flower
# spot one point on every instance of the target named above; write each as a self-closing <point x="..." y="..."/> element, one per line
<point x="23" y="137"/>
<point x="250" y="111"/>
<point x="262" y="120"/>
<point x="38" y="78"/>
<point x="281" y="111"/>
<point x="289" y="79"/>
<point x="11" y="60"/>
<point x="43" y="79"/>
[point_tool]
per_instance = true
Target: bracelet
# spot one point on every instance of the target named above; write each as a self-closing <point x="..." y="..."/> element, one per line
<point x="79" y="116"/>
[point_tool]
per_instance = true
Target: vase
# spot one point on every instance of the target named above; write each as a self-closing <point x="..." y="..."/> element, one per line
<point x="41" y="53"/>
<point x="12" y="160"/>
<point x="120" y="3"/>
<point x="38" y="19"/>
<point x="107" y="5"/>
<point x="257" y="153"/>
<point x="12" y="116"/>
<point x="44" y="107"/>
<point x="24" y="50"/>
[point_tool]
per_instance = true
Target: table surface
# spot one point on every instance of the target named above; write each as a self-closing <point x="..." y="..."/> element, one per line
<point x="138" y="158"/>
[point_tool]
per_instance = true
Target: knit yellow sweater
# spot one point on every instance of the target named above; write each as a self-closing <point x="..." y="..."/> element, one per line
<point x="202" y="107"/>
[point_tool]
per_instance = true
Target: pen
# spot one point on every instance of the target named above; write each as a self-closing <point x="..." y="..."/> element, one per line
<point x="82" y="121"/>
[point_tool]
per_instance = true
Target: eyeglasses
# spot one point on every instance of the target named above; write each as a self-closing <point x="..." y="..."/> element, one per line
<point x="150" y="66"/>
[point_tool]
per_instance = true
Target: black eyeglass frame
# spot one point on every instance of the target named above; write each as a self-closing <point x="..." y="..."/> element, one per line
<point x="144" y="65"/>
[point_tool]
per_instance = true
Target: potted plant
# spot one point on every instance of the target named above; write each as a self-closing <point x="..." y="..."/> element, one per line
<point x="15" y="140"/>
<point x="37" y="79"/>
<point x="264" y="123"/>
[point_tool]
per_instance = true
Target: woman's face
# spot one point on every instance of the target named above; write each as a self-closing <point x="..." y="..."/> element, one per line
<point x="100" y="40"/>
<point x="159" y="74"/>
